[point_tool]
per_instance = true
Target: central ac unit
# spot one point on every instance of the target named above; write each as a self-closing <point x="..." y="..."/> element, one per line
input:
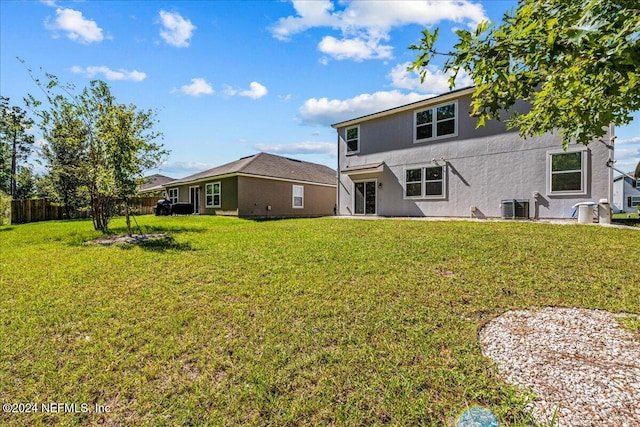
<point x="515" y="208"/>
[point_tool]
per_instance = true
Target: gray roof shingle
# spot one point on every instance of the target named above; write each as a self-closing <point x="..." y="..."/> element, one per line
<point x="268" y="165"/>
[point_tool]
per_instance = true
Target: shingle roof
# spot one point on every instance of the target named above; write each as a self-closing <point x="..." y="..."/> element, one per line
<point x="153" y="181"/>
<point x="268" y="165"/>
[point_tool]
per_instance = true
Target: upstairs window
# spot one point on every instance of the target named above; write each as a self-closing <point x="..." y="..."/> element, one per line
<point x="212" y="192"/>
<point x="568" y="173"/>
<point x="425" y="182"/>
<point x="435" y="122"/>
<point x="352" y="138"/>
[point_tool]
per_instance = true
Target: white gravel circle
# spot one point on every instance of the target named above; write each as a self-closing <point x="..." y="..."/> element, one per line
<point x="581" y="364"/>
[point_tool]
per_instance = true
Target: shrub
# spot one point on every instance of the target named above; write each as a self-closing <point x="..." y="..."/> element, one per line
<point x="5" y="208"/>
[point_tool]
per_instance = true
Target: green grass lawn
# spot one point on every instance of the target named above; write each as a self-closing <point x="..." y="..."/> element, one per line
<point x="292" y="322"/>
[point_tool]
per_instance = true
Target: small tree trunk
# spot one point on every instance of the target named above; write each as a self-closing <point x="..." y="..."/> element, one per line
<point x="14" y="155"/>
<point x="126" y="214"/>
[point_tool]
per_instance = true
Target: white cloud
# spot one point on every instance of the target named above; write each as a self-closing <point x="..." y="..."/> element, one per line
<point x="177" y="30"/>
<point x="435" y="81"/>
<point x="109" y="74"/>
<point x="197" y="87"/>
<point x="326" y="112"/>
<point x="77" y="27"/>
<point x="365" y="24"/>
<point x="633" y="140"/>
<point x="255" y="91"/>
<point x="306" y="147"/>
<point x="310" y="14"/>
<point x="355" y="48"/>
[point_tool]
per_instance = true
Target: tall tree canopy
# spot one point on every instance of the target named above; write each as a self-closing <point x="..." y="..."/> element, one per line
<point x="575" y="61"/>
<point x="95" y="144"/>
<point x="16" y="144"/>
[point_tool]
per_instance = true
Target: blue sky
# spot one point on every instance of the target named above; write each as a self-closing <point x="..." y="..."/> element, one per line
<point x="231" y="78"/>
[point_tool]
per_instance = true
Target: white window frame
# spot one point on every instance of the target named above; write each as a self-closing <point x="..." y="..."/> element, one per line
<point x="346" y="140"/>
<point x="171" y="198"/>
<point x="434" y="123"/>
<point x="213" y="195"/>
<point x="584" y="170"/>
<point x="423" y="182"/>
<point x="633" y="203"/>
<point x="294" y="196"/>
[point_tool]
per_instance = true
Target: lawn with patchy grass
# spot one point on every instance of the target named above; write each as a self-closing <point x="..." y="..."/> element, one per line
<point x="292" y="322"/>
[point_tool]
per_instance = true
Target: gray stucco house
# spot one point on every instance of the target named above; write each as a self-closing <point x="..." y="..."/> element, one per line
<point x="626" y="194"/>
<point x="428" y="159"/>
<point x="259" y="186"/>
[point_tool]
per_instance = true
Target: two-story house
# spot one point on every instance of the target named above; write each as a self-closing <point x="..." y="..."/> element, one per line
<point x="626" y="194"/>
<point x="429" y="159"/>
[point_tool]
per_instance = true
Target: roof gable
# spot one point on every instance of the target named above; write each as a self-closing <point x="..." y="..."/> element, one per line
<point x="268" y="166"/>
<point x="454" y="94"/>
<point x="155" y="180"/>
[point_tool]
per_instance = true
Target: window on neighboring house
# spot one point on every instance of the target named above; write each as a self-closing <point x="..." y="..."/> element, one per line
<point x="298" y="196"/>
<point x="425" y="182"/>
<point x="568" y="172"/>
<point x="212" y="193"/>
<point x="172" y="195"/>
<point x="435" y="122"/>
<point x="633" y="201"/>
<point x="353" y="139"/>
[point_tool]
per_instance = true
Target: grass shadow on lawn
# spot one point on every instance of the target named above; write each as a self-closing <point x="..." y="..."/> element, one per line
<point x="155" y="229"/>
<point x="161" y="245"/>
<point x="631" y="222"/>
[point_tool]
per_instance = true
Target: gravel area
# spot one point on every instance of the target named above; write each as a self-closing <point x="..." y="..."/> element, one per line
<point x="580" y="363"/>
<point x="136" y="238"/>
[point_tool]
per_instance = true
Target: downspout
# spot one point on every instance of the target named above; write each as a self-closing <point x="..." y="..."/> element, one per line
<point x="612" y="138"/>
<point x="338" y="176"/>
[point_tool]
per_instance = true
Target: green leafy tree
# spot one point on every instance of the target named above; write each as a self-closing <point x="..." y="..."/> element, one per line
<point x="25" y="184"/>
<point x="575" y="62"/>
<point x="15" y="140"/>
<point x="128" y="138"/>
<point x="107" y="144"/>
<point x="65" y="159"/>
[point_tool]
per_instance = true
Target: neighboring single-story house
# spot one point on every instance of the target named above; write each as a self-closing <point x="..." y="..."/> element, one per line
<point x="259" y="186"/>
<point x="428" y="159"/>
<point x="152" y="185"/>
<point x="626" y="194"/>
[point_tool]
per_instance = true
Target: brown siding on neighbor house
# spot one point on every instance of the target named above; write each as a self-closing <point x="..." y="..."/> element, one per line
<point x="228" y="197"/>
<point x="255" y="194"/>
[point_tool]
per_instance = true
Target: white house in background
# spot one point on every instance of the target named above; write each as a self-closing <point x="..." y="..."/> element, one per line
<point x="626" y="194"/>
<point x="428" y="159"/>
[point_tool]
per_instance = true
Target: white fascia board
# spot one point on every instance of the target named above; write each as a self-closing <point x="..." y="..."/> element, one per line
<point x="409" y="107"/>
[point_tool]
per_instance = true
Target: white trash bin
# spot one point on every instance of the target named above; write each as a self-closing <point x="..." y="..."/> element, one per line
<point x="604" y="211"/>
<point x="585" y="212"/>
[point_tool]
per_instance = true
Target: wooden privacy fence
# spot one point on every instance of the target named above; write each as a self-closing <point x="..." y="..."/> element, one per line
<point x="24" y="211"/>
<point x="143" y="205"/>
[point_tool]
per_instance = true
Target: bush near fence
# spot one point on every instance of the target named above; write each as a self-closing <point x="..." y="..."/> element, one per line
<point x="33" y="210"/>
